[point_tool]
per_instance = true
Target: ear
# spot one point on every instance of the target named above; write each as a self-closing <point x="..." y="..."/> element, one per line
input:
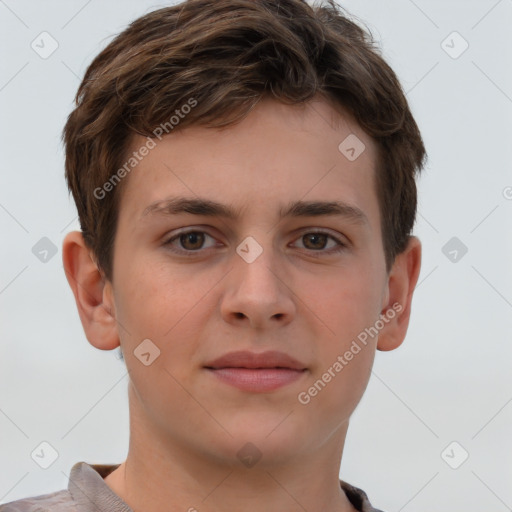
<point x="93" y="293"/>
<point x="402" y="280"/>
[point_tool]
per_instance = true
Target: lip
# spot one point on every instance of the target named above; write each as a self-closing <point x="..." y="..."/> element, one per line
<point x="254" y="360"/>
<point x="257" y="373"/>
<point x="257" y="380"/>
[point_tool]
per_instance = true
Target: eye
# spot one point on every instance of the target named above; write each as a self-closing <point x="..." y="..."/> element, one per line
<point x="318" y="241"/>
<point x="190" y="242"/>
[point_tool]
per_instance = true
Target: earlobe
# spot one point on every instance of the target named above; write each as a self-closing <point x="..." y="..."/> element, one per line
<point x="401" y="283"/>
<point x="93" y="293"/>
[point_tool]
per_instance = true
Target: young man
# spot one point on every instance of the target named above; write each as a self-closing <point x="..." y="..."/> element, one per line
<point x="244" y="172"/>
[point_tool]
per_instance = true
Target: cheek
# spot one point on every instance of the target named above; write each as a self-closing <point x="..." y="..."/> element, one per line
<point x="166" y="306"/>
<point x="346" y="304"/>
<point x="151" y="297"/>
<point x="352" y="305"/>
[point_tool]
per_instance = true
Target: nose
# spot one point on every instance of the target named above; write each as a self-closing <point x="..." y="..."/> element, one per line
<point x="258" y="294"/>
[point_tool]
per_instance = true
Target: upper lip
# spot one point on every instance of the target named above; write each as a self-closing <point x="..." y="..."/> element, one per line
<point x="246" y="359"/>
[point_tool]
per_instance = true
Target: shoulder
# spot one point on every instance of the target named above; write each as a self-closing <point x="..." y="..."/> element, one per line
<point x="86" y="491"/>
<point x="357" y="497"/>
<point x="58" y="501"/>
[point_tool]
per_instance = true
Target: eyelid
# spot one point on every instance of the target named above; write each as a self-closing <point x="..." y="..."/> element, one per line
<point x="175" y="235"/>
<point x="325" y="231"/>
<point x="341" y="241"/>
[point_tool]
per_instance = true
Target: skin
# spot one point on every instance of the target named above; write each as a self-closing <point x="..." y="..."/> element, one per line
<point x="186" y="426"/>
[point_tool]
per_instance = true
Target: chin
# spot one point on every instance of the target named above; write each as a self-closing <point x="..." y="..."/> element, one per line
<point x="273" y="439"/>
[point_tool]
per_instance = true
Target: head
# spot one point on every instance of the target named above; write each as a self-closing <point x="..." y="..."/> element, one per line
<point x="250" y="109"/>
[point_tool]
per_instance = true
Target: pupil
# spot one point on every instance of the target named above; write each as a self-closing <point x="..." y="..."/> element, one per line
<point x="315" y="237"/>
<point x="195" y="239"/>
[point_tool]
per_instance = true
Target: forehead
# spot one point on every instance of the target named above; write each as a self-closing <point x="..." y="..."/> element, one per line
<point x="277" y="152"/>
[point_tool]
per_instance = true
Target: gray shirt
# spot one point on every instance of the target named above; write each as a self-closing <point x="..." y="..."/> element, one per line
<point x="87" y="492"/>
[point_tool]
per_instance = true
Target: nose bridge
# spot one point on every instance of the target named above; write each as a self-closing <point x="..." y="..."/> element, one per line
<point x="257" y="290"/>
<point x="257" y="265"/>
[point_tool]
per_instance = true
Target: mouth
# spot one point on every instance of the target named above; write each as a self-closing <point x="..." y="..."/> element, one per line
<point x="257" y="361"/>
<point x="257" y="380"/>
<point x="257" y="372"/>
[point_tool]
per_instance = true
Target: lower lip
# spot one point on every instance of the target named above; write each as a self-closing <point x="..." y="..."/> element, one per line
<point x="258" y="380"/>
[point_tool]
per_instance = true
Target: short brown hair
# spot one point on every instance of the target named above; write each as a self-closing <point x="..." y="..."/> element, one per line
<point x="226" y="55"/>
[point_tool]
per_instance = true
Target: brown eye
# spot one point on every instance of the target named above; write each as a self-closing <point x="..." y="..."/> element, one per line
<point x="190" y="243"/>
<point x="320" y="243"/>
<point x="192" y="240"/>
<point x="315" y="240"/>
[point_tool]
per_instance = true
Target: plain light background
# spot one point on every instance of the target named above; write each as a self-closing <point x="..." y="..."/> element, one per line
<point x="450" y="381"/>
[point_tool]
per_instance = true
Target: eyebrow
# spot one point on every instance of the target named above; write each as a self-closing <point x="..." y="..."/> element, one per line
<point x="206" y="207"/>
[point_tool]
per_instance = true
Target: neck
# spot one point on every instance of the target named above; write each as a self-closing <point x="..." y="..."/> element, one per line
<point x="162" y="474"/>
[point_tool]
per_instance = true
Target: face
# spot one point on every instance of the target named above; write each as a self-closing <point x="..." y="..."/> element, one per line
<point x="255" y="263"/>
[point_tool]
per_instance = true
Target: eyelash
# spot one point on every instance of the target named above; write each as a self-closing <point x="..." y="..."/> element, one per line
<point x="190" y="253"/>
